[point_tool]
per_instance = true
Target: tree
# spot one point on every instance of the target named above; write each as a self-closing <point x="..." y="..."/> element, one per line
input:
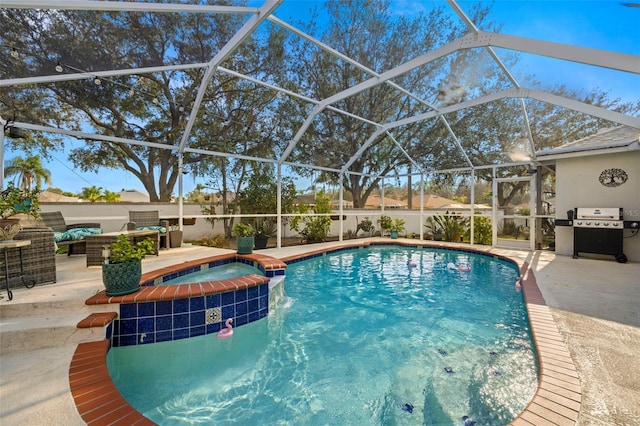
<point x="29" y="172"/>
<point x="260" y="194"/>
<point x="368" y="32"/>
<point x="91" y="193"/>
<point x="151" y="107"/>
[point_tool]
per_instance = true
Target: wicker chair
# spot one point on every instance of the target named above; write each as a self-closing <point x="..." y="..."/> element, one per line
<point x="55" y="221"/>
<point x="39" y="258"/>
<point x="149" y="219"/>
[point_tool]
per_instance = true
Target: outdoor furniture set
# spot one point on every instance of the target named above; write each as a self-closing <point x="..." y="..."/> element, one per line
<point x="34" y="262"/>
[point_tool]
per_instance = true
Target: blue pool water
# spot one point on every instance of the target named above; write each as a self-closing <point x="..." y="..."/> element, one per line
<point x="360" y="338"/>
<point x="221" y="272"/>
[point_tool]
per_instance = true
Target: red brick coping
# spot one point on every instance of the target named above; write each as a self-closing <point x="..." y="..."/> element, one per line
<point x="171" y="292"/>
<point x="556" y="401"/>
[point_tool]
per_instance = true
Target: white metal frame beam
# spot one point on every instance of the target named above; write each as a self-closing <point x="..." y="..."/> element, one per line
<point x="478" y="39"/>
<point x="238" y="38"/>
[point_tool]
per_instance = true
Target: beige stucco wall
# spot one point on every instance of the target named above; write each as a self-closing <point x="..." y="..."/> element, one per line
<point x="577" y="185"/>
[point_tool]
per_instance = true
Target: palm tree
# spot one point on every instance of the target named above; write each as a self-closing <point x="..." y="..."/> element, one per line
<point x="28" y="172"/>
<point x="91" y="193"/>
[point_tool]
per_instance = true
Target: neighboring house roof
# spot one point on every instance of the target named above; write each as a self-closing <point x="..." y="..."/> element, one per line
<point x="389" y="203"/>
<point x="621" y="138"/>
<point x="53" y="197"/>
<point x="462" y="206"/>
<point x="345" y="204"/>
<point x="432" y="201"/>
<point x="133" y="196"/>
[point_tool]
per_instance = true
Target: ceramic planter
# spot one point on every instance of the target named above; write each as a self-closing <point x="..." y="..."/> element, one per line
<point x="122" y="278"/>
<point x="261" y="241"/>
<point x="245" y="244"/>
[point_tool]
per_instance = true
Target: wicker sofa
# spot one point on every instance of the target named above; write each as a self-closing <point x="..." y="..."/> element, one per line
<point x="39" y="258"/>
<point x="56" y="222"/>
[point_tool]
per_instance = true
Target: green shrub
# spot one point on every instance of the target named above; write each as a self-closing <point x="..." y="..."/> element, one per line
<point x="314" y="228"/>
<point x="481" y="230"/>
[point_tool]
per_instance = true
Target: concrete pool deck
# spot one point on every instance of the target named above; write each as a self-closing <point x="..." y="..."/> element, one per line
<point x="595" y="305"/>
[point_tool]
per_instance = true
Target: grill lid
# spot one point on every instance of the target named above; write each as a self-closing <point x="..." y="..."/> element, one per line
<point x="605" y="213"/>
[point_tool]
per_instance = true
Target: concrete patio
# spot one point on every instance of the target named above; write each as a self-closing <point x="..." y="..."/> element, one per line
<point x="595" y="303"/>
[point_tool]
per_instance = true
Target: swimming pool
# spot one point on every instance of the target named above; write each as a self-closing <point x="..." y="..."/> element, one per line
<point x="219" y="272"/>
<point x="359" y="338"/>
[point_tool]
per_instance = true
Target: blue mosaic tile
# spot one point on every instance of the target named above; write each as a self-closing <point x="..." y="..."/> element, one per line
<point x="253" y="292"/>
<point x="263" y="301"/>
<point x="164" y="323"/>
<point x="128" y="326"/>
<point x="228" y="312"/>
<point x="213" y="301"/>
<point x="146" y="325"/>
<point x="264" y="289"/>
<point x="115" y="341"/>
<point x="280" y="272"/>
<point x="196" y="303"/>
<point x="164" y="336"/>
<point x="128" y="310"/>
<point x="181" y="333"/>
<point x="241" y="320"/>
<point x="270" y="274"/>
<point x="241" y="308"/>
<point x="180" y="321"/>
<point x="109" y="331"/>
<point x="128" y="340"/>
<point x="146" y="309"/>
<point x="196" y="331"/>
<point x="164" y="307"/>
<point x="196" y="318"/>
<point x="227" y="298"/>
<point x="253" y="305"/>
<point x="241" y="295"/>
<point x="254" y="316"/>
<point x="180" y="305"/>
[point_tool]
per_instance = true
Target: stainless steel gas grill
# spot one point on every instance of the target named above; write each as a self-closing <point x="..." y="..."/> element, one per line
<point x="598" y="231"/>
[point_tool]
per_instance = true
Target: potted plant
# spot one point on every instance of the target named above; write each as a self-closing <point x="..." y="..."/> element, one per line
<point x="385" y="223"/>
<point x="396" y="226"/>
<point x="265" y="229"/>
<point x="366" y="226"/>
<point x="122" y="269"/>
<point x="244" y="237"/>
<point x="434" y="226"/>
<point x="14" y="201"/>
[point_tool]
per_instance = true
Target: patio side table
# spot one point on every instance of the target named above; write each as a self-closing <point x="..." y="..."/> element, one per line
<point x="5" y="246"/>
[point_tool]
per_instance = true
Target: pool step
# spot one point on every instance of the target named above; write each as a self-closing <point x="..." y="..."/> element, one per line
<point x="98" y="319"/>
<point x="26" y="327"/>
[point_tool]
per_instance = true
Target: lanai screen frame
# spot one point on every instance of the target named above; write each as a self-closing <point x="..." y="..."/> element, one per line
<point x="474" y="39"/>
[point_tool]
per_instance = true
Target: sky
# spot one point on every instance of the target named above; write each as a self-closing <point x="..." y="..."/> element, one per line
<point x="607" y="25"/>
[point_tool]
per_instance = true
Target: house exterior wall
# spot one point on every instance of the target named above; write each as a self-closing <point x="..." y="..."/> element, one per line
<point x="577" y="185"/>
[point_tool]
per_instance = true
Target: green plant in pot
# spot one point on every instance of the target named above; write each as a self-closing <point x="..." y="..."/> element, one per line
<point x="122" y="270"/>
<point x="265" y="229"/>
<point x="396" y="226"/>
<point x="385" y="223"/>
<point x="15" y="201"/>
<point x="245" y="237"/>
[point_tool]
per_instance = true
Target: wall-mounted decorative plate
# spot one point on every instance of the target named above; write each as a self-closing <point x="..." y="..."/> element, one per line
<point x="613" y="177"/>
